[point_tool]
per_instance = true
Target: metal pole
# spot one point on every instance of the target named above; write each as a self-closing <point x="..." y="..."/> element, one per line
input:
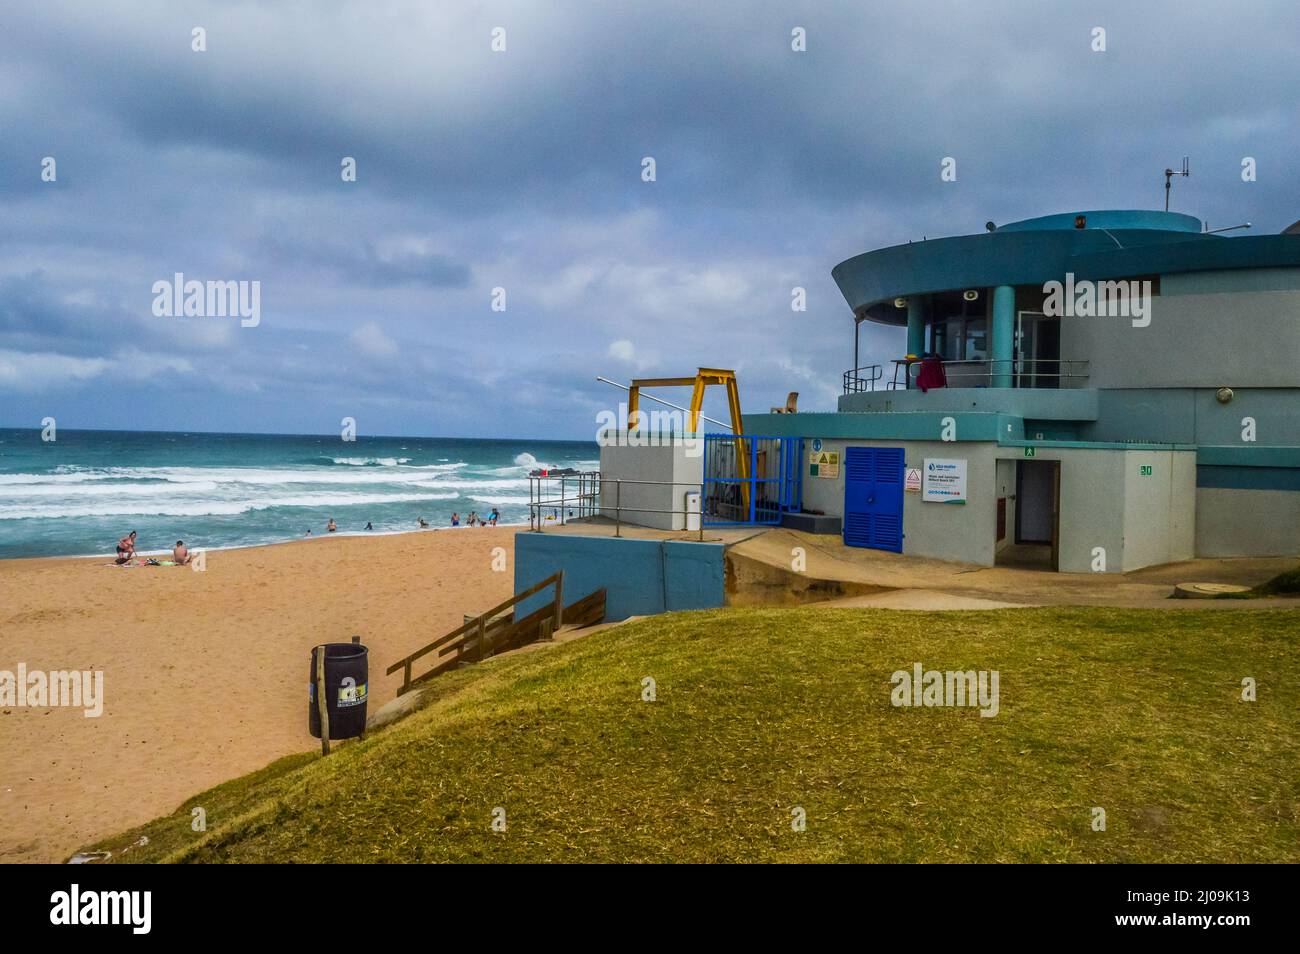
<point x="857" y="325"/>
<point x="321" y="703"/>
<point x="618" y="508"/>
<point x="675" y="407"/>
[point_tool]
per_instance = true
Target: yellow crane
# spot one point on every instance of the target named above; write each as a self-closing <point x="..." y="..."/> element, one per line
<point x="703" y="378"/>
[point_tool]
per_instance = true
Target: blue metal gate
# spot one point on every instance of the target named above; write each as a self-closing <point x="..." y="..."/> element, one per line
<point x="772" y="485"/>
<point x="873" y="498"/>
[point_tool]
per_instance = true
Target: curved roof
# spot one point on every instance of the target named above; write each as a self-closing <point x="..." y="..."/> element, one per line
<point x="1114" y="244"/>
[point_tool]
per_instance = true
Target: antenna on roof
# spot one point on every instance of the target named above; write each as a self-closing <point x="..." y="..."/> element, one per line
<point x="1169" y="175"/>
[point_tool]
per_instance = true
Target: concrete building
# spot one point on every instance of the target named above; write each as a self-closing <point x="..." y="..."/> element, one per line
<point x="1101" y="391"/>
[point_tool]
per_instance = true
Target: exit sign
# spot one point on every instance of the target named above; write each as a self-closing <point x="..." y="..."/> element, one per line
<point x="1029" y="451"/>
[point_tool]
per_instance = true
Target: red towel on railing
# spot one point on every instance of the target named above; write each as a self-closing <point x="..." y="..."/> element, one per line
<point x="931" y="374"/>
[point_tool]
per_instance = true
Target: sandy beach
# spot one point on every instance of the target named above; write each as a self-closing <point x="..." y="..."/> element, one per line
<point x="205" y="674"/>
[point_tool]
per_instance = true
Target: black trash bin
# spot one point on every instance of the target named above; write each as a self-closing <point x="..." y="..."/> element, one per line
<point x="346" y="669"/>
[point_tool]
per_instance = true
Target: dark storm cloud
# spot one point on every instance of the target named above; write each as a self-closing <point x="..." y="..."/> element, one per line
<point x="521" y="170"/>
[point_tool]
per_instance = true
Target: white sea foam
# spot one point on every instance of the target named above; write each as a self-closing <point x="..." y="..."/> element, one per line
<point x="205" y="508"/>
<point x="238" y="475"/>
<point x="150" y="489"/>
<point x="371" y="461"/>
<point x="504" y="484"/>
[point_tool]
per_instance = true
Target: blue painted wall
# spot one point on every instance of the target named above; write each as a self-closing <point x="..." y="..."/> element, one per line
<point x="641" y="577"/>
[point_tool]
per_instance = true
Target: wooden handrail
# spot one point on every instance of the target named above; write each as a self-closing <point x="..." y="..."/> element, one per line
<point x="475" y="624"/>
<point x="501" y="635"/>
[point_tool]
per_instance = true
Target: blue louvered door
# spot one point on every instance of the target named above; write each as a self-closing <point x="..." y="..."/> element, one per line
<point x="873" y="498"/>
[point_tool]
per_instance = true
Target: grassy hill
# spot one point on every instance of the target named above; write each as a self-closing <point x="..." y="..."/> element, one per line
<point x="758" y="712"/>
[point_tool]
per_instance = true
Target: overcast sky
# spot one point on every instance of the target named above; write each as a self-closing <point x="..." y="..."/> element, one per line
<point x="522" y="170"/>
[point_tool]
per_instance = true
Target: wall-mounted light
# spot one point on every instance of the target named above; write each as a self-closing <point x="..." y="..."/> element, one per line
<point x="1080" y="221"/>
<point x="1223" y="395"/>
<point x="900" y="302"/>
<point x="970" y="294"/>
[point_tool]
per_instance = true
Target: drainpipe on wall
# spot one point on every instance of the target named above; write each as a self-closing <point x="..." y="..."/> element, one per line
<point x="1003" y="330"/>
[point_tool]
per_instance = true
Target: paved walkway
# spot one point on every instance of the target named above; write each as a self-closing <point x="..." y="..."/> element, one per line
<point x="922" y="583"/>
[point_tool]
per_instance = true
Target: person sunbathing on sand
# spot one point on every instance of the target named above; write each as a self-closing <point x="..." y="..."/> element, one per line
<point x="181" y="554"/>
<point x="126" y="548"/>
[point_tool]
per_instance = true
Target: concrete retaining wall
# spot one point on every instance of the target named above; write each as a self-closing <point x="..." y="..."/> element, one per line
<point x="641" y="576"/>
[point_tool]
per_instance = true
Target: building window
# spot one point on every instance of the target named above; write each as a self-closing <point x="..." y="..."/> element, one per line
<point x="960" y="338"/>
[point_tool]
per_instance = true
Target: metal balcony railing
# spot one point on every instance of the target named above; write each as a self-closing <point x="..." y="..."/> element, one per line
<point x="862" y="379"/>
<point x="975" y="373"/>
<point x="587" y="493"/>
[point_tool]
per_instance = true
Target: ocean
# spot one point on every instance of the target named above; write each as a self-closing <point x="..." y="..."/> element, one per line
<point x="77" y="495"/>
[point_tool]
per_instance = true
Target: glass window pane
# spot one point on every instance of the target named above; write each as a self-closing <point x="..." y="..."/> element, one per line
<point x="947" y="338"/>
<point x="976" y="340"/>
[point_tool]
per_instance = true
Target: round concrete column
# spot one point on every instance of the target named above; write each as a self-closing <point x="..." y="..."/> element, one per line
<point x="1002" y="334"/>
<point x="916" y="325"/>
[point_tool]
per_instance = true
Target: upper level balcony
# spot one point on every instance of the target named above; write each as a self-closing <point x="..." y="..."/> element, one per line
<point x="905" y="374"/>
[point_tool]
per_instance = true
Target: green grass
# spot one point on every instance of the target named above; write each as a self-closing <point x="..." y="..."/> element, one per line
<point x="758" y="711"/>
<point x="1284" y="584"/>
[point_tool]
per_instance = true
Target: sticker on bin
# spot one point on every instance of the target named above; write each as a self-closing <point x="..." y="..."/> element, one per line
<point x="350" y="694"/>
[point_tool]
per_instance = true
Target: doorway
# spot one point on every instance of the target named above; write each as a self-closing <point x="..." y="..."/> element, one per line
<point x="873" y="498"/>
<point x="1038" y="515"/>
<point x="1038" y="350"/>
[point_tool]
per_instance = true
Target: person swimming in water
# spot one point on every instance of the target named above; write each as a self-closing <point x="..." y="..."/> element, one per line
<point x="331" y="526"/>
<point x="369" y="526"/>
<point x="455" y="520"/>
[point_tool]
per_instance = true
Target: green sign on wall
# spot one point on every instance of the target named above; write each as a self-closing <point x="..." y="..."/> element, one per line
<point x="1146" y="470"/>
